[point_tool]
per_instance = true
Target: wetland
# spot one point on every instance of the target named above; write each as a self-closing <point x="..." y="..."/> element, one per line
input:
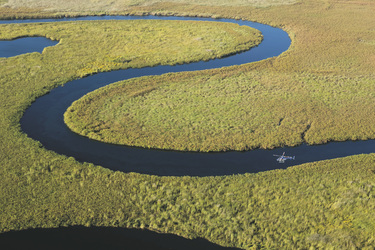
<point x="324" y="204"/>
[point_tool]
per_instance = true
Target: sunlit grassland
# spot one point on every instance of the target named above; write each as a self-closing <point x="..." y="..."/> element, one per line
<point x="106" y="5"/>
<point x="238" y="112"/>
<point x="19" y="9"/>
<point x="168" y="43"/>
<point x="327" y="204"/>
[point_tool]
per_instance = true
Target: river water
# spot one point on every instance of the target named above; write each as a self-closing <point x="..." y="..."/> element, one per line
<point x="101" y="238"/>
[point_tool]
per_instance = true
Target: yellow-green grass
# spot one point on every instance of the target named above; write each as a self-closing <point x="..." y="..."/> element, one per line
<point x="138" y="43"/>
<point x="319" y="205"/>
<point x="325" y="205"/>
<point x="240" y="111"/>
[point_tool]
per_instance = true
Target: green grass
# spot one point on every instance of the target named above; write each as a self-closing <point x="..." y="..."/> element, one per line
<point x="122" y="44"/>
<point x="325" y="205"/>
<point x="318" y="205"/>
<point x="238" y="112"/>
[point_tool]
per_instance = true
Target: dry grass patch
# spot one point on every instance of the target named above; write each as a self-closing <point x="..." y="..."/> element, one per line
<point x="120" y="5"/>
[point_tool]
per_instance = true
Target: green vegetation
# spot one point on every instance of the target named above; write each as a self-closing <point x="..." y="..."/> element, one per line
<point x="122" y="43"/>
<point x="237" y="112"/>
<point x="327" y="204"/>
<point x="319" y="91"/>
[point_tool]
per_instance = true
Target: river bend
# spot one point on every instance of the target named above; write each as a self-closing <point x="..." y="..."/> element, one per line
<point x="43" y="120"/>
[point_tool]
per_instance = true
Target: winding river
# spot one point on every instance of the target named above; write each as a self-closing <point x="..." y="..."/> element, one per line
<point x="43" y="121"/>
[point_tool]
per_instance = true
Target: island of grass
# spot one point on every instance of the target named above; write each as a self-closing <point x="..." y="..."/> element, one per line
<point x="242" y="111"/>
<point x="323" y="205"/>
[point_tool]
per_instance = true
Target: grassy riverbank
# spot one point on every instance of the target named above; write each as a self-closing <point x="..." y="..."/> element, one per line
<point x="107" y="45"/>
<point x="325" y="205"/>
<point x="241" y="111"/>
<point x="319" y="91"/>
<point x="319" y="205"/>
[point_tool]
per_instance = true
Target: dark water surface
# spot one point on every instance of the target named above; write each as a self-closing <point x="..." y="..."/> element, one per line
<point x="101" y="238"/>
<point x="24" y="45"/>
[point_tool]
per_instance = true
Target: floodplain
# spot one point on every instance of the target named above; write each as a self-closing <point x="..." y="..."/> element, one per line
<point x="324" y="82"/>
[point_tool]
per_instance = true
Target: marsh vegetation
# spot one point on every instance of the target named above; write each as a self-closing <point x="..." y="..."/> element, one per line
<point x="240" y="111"/>
<point x="136" y="43"/>
<point x="326" y="204"/>
<point x="319" y="91"/>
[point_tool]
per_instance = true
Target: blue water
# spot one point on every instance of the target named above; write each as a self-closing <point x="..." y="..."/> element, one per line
<point x="24" y="45"/>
